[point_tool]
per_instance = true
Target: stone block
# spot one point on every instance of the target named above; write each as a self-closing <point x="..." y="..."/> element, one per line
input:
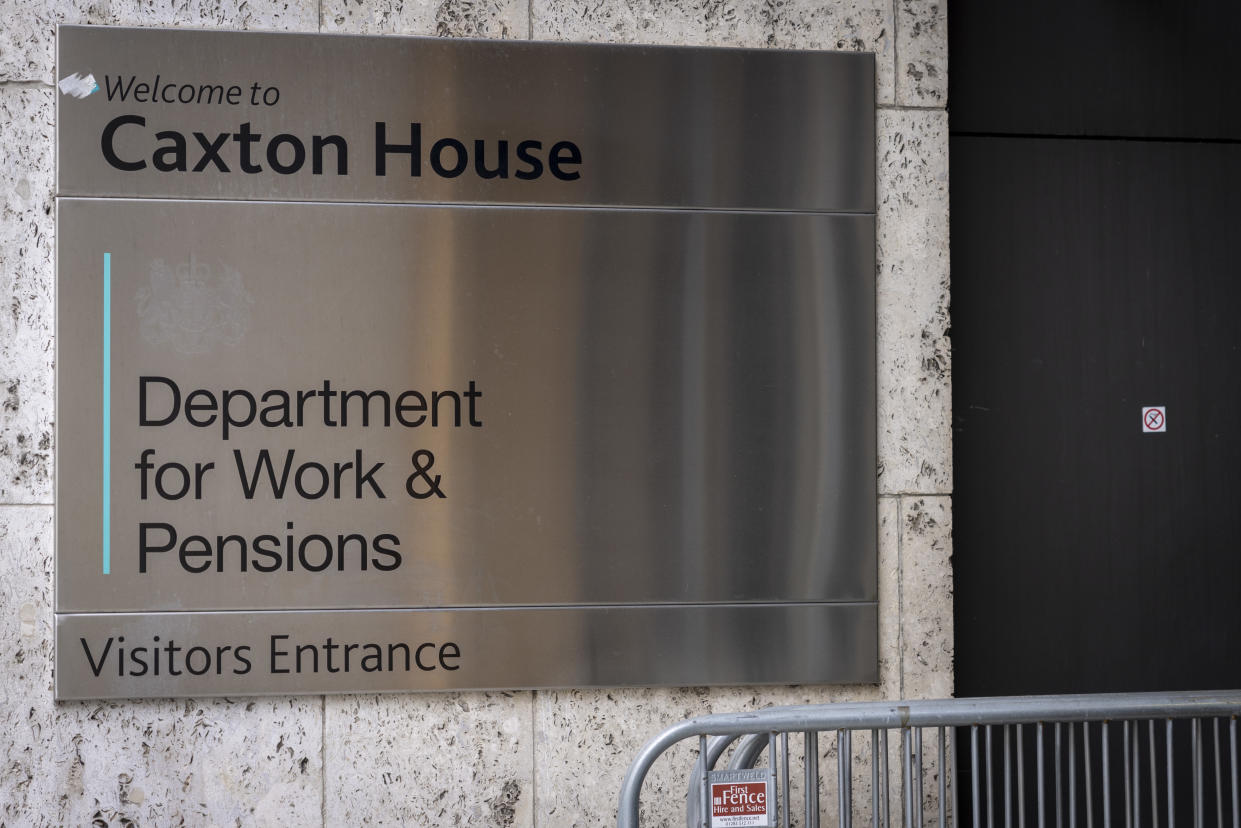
<point x="915" y="371"/>
<point x="926" y="623"/>
<point x="443" y="18"/>
<point x="597" y="733"/>
<point x="926" y="597"/>
<point x="155" y="762"/>
<point x="429" y="759"/>
<point x="858" y="26"/>
<point x="27" y="313"/>
<point x="922" y="53"/>
<point x="28" y="39"/>
<point x="889" y="598"/>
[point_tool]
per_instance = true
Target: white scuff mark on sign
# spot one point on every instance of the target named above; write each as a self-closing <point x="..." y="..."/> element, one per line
<point x="1154" y="419"/>
<point x="78" y="85"/>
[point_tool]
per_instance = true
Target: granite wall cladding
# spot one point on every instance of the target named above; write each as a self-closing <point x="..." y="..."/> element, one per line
<point x="543" y="759"/>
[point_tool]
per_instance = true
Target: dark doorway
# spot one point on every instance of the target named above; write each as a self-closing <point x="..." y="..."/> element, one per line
<point x="1090" y="279"/>
<point x="1096" y="269"/>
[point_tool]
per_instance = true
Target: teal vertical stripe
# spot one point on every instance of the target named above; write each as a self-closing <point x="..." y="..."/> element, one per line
<point x="107" y="413"/>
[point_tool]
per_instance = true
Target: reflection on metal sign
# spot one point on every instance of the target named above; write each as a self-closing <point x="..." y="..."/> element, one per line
<point x="314" y="446"/>
<point x="742" y="798"/>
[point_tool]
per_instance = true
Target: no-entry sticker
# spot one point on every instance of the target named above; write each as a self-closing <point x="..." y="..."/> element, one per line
<point x="1154" y="419"/>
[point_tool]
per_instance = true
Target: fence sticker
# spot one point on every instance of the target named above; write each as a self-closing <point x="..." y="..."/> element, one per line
<point x="742" y="798"/>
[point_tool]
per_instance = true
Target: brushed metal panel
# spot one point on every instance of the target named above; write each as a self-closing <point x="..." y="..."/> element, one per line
<point x="675" y="407"/>
<point x="654" y="455"/>
<point x="655" y="126"/>
<point x="520" y="647"/>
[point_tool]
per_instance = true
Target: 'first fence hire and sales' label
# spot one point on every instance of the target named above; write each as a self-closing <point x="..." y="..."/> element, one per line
<point x="742" y="798"/>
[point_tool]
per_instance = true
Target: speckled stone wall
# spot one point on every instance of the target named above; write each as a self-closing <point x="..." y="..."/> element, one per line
<point x="523" y="759"/>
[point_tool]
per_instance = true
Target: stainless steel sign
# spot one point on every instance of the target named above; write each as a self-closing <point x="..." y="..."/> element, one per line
<point x="325" y="447"/>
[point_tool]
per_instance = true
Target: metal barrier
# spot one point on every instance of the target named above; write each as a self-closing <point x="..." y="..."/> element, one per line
<point x="1005" y="771"/>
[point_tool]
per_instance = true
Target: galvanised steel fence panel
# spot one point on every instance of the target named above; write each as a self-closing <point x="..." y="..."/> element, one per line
<point x="1141" y="760"/>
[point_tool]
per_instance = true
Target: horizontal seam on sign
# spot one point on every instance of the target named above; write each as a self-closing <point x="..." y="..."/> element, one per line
<point x="42" y="84"/>
<point x="24" y="505"/>
<point x="474" y="205"/>
<point x="492" y="608"/>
